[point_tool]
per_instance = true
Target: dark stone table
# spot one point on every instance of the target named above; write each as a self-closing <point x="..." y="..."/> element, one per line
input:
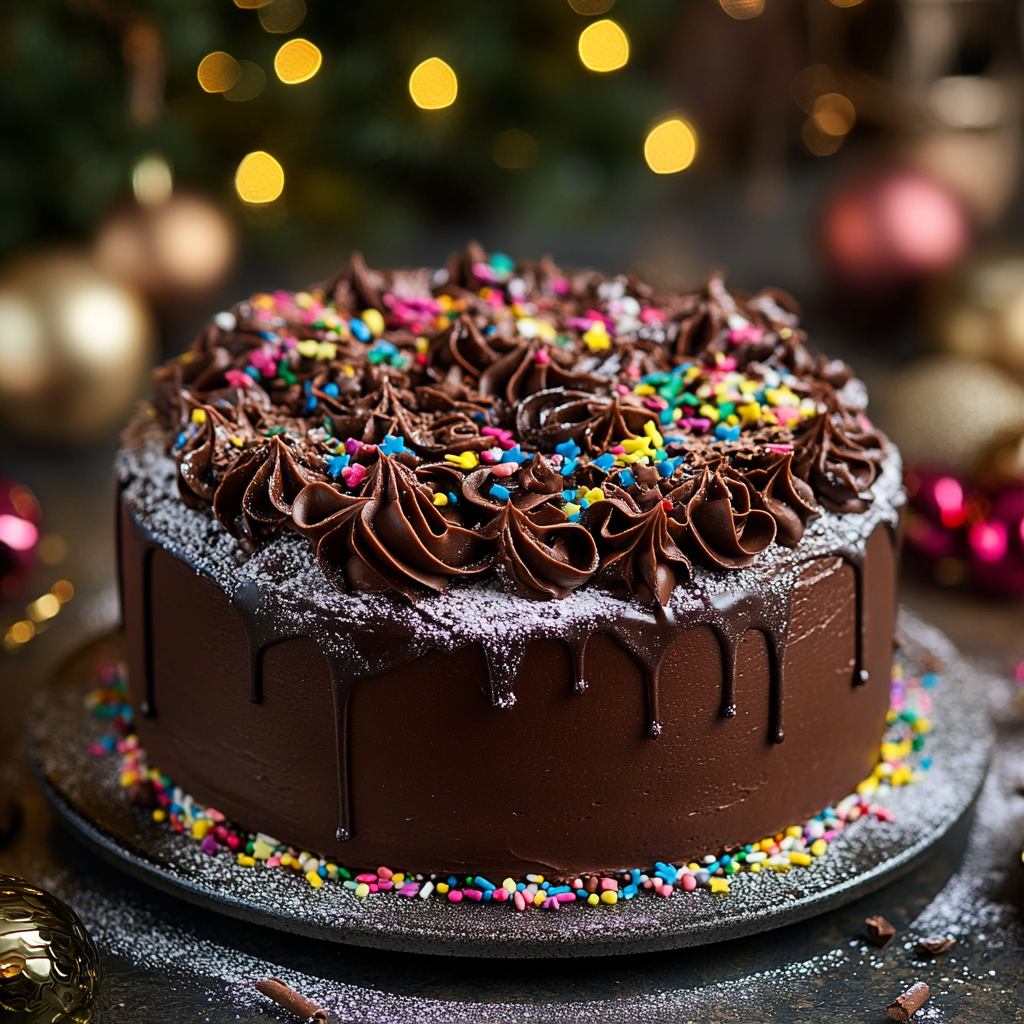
<point x="165" y="961"/>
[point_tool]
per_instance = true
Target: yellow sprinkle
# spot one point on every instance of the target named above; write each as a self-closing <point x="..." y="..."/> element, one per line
<point x="571" y="508"/>
<point x="803" y="859"/>
<point x="732" y="419"/>
<point x="440" y="499"/>
<point x="422" y="345"/>
<point x="637" y="444"/>
<point x="200" y="828"/>
<point x="710" y="412"/>
<point x="609" y="896"/>
<point x="362" y="890"/>
<point x="748" y="387"/>
<point x="795" y="831"/>
<point x="652" y="432"/>
<point x="373" y="319"/>
<point x="349" y="371"/>
<point x="546" y="331"/>
<point x="465" y="460"/>
<point x="755" y="869"/>
<point x="597" y="340"/>
<point x="594" y="494"/>
<point x="308" y="348"/>
<point x="883" y="770"/>
<point x="593" y="899"/>
<point x="768" y="416"/>
<point x="890" y="717"/>
<point x="159" y="814"/>
<point x="897" y="672"/>
<point x="645" y="389"/>
<point x="246" y="861"/>
<point x="867" y="787"/>
<point x="397" y="878"/>
<point x="198" y="415"/>
<point x="922" y="725"/>
<point x="719" y="885"/>
<point x="316" y="881"/>
<point x="442" y="887"/>
<point x="539" y="898"/>
<point x="508" y="885"/>
<point x="818" y="847"/>
<point x="264" y="301"/>
<point x="901" y="776"/>
<point x="236" y="441"/>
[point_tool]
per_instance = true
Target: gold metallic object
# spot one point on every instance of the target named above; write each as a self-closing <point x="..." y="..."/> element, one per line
<point x="49" y="964"/>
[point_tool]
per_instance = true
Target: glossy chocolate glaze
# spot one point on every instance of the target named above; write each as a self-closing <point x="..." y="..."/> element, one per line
<point x="479" y="731"/>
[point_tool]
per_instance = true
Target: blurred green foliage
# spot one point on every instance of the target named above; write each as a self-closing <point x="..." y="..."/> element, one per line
<point x="357" y="153"/>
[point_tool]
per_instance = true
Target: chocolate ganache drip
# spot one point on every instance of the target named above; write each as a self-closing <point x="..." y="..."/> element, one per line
<point x="491" y="418"/>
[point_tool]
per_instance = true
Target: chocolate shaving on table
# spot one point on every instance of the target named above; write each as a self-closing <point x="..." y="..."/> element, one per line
<point x="880" y="932"/>
<point x="467" y="419"/>
<point x="905" y="1006"/>
<point x="274" y="988"/>
<point x="933" y="944"/>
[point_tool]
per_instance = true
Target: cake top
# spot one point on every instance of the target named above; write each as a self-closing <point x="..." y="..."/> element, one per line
<point x="504" y="418"/>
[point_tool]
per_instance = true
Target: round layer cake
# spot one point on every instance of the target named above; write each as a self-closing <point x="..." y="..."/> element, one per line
<point x="502" y="569"/>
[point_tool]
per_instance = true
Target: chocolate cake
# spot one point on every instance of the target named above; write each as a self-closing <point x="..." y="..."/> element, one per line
<point x="503" y="569"/>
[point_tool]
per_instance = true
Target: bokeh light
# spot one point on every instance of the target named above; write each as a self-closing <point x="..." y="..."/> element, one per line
<point x="670" y="146"/>
<point x="152" y="181"/>
<point x="812" y="82"/>
<point x="297" y="61"/>
<point x="591" y="7"/>
<point x="742" y="10"/>
<point x="433" y="84"/>
<point x="218" y="72"/>
<point x="249" y="85"/>
<point x="251" y="5"/>
<point x="846" y="3"/>
<point x="834" y="114"/>
<point x="259" y="178"/>
<point x="280" y="16"/>
<point x="818" y="142"/>
<point x="604" y="46"/>
<point x="514" y="149"/>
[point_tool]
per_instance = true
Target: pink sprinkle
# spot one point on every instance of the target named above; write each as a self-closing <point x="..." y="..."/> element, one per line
<point x="689" y="883"/>
<point x="385" y="885"/>
<point x="665" y="890"/>
<point x="560" y="286"/>
<point x="273" y="862"/>
<point x="485" y="272"/>
<point x="473" y="894"/>
<point x="541" y="356"/>
<point x="97" y="749"/>
<point x="264" y="362"/>
<point x="503" y="437"/>
<point x="505" y="469"/>
<point x="726" y="365"/>
<point x="621" y="389"/>
<point x="208" y="845"/>
<point x="496" y="299"/>
<point x="354" y="475"/>
<point x="786" y="414"/>
<point x="384" y="873"/>
<point x="283" y="299"/>
<point x="518" y="900"/>
<point x="651" y="315"/>
<point x="655" y="402"/>
<point x="409" y="889"/>
<point x="830" y="835"/>
<point x="617" y="450"/>
<point x="214" y="815"/>
<point x="647" y="885"/>
<point x="374" y="887"/>
<point x="550" y="904"/>
<point x="500" y="894"/>
<point x="633" y="371"/>
<point x="290" y="342"/>
<point x="924" y="704"/>
<point x="491" y="455"/>
<point x="780" y="449"/>
<point x="738" y="335"/>
<point x="883" y="814"/>
<point x="237" y="379"/>
<point x="566" y="897"/>
<point x="352" y="446"/>
<point x="233" y="842"/>
<point x="455" y="895"/>
<point x="609" y="885"/>
<point x="368" y="878"/>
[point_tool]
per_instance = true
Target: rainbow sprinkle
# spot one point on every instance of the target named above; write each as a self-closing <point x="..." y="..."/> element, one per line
<point x="796" y="847"/>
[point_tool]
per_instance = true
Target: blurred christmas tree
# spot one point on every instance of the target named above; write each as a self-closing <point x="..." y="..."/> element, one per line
<point x="88" y="87"/>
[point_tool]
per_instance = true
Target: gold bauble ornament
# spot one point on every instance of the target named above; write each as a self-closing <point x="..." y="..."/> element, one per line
<point x="951" y="413"/>
<point x="978" y="311"/>
<point x="49" y="964"/>
<point x="74" y="346"/>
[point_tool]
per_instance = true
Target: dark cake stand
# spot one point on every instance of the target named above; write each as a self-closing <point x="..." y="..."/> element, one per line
<point x="867" y="855"/>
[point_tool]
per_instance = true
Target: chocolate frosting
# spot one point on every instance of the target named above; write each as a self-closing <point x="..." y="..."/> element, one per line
<point x="466" y="424"/>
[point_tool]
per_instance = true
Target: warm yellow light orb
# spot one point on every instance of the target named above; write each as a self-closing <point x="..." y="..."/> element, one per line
<point x="297" y="61"/>
<point x="742" y="10"/>
<point x="834" y="114"/>
<point x="670" y="147"/>
<point x="433" y="84"/>
<point x="282" y="16"/>
<point x="218" y="72"/>
<point x="604" y="46"/>
<point x="259" y="178"/>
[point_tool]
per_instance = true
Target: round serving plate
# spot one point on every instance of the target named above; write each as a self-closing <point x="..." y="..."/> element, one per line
<point x="868" y="854"/>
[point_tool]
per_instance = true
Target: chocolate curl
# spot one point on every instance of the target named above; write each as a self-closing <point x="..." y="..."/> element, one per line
<point x="933" y="944"/>
<point x="910" y="1002"/>
<point x="274" y="988"/>
<point x="880" y="932"/>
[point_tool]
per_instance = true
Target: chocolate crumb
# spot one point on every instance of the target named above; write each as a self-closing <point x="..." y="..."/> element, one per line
<point x="933" y="944"/>
<point x="880" y="932"/>
<point x="906" y="1005"/>
<point x="142" y="793"/>
<point x="932" y="662"/>
<point x="274" y="988"/>
<point x="10" y="818"/>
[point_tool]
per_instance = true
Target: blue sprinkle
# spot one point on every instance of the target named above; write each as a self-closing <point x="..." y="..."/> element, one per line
<point x="521" y="887"/>
<point x="479" y="417"/>
<point x="322" y="871"/>
<point x="360" y="329"/>
<point x="307" y="386"/>
<point x="584" y="503"/>
<point x="635" y="875"/>
<point x="724" y="433"/>
<point x="499" y="492"/>
<point x="574" y="518"/>
<point x="630" y="891"/>
<point x="453" y="498"/>
<point x="482" y="883"/>
<point x="349" y="884"/>
<point x="515" y="454"/>
<point x="929" y="681"/>
<point x="926" y="763"/>
<point x="269" y="336"/>
<point x="488" y="893"/>
<point x="311" y="403"/>
<point x="180" y="440"/>
<point x="253" y="372"/>
<point x="569" y="495"/>
<point x="626" y="478"/>
<point x="667" y="467"/>
<point x="330" y="389"/>
<point x="666" y="416"/>
<point x="393" y="445"/>
<point x="452" y="880"/>
<point x="568" y="468"/>
<point x="109" y="742"/>
<point x="336" y="464"/>
<point x="556" y="889"/>
<point x="568" y="449"/>
<point x="545" y="886"/>
<point x="502" y="265"/>
<point x="605" y="461"/>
